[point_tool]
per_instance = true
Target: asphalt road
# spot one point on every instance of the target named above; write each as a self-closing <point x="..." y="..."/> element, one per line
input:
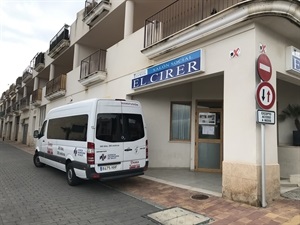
<point x="39" y="196"/>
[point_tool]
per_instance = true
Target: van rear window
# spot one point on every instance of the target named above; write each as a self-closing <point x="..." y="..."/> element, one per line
<point x="114" y="127"/>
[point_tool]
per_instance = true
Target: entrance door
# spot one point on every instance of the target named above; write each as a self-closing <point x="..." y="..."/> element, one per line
<point x="209" y="140"/>
<point x="25" y="131"/>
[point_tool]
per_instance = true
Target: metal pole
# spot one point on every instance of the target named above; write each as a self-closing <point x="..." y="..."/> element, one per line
<point x="263" y="165"/>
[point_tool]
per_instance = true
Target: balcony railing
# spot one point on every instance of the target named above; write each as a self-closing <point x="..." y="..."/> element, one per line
<point x="95" y="10"/>
<point x="60" y="41"/>
<point x="39" y="61"/>
<point x="19" y="82"/>
<point x="27" y="74"/>
<point x="24" y="103"/>
<point x="12" y="89"/>
<point x="179" y="15"/>
<point x="56" y="87"/>
<point x="16" y="107"/>
<point x="92" y="68"/>
<point x="36" y="97"/>
<point x="9" y="110"/>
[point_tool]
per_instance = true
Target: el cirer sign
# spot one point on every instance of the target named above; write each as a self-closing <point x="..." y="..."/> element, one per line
<point x="175" y="68"/>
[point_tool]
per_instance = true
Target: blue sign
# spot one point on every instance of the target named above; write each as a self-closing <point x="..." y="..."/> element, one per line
<point x="181" y="66"/>
<point x="296" y="64"/>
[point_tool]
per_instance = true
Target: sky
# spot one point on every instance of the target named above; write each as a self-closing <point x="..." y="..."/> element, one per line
<point x="26" y="28"/>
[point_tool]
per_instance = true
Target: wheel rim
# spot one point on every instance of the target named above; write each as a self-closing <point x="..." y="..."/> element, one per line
<point x="70" y="174"/>
<point x="37" y="160"/>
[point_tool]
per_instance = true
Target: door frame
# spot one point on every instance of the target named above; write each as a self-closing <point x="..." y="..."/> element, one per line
<point x="197" y="140"/>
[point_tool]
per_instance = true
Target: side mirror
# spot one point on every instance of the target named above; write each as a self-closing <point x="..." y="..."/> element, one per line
<point x="36" y="134"/>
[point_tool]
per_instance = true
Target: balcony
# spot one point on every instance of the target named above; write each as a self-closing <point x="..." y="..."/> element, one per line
<point x="9" y="110"/>
<point x="56" y="87"/>
<point x="36" y="97"/>
<point x="60" y="41"/>
<point x="92" y="69"/>
<point x="24" y="104"/>
<point x="18" y="82"/>
<point x="39" y="62"/>
<point x="95" y="10"/>
<point x="27" y="74"/>
<point x="12" y="89"/>
<point x="16" y="108"/>
<point x="179" y="17"/>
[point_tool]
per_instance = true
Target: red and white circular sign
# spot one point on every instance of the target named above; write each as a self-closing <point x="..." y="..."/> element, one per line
<point x="264" y="67"/>
<point x="265" y="95"/>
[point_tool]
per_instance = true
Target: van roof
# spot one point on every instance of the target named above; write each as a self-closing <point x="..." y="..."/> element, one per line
<point x="85" y="105"/>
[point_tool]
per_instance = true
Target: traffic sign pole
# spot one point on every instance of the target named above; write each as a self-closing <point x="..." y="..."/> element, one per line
<point x="265" y="97"/>
<point x="263" y="167"/>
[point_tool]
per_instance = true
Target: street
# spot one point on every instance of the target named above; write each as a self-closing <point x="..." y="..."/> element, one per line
<point x="30" y="195"/>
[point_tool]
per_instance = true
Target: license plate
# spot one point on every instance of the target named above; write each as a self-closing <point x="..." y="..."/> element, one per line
<point x="108" y="167"/>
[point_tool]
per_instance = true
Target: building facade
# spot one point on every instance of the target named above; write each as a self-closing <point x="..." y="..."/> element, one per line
<point x="200" y="68"/>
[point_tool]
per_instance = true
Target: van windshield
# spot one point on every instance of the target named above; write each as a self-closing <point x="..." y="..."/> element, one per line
<point x="114" y="127"/>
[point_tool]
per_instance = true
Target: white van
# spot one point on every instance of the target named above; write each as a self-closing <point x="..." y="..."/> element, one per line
<point x="94" y="139"/>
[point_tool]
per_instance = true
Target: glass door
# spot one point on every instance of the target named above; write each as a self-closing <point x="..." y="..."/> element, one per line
<point x="209" y="140"/>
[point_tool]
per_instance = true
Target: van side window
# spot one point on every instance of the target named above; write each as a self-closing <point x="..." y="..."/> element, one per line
<point x="42" y="132"/>
<point x="113" y="127"/>
<point x="68" y="128"/>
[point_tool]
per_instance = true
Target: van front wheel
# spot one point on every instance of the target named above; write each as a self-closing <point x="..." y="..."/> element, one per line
<point x="71" y="176"/>
<point x="36" y="161"/>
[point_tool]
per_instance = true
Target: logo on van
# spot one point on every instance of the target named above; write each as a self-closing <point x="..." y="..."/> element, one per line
<point x="102" y="157"/>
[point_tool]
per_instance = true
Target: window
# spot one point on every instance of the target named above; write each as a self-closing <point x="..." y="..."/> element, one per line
<point x="180" y="121"/>
<point x="42" y="132"/>
<point x="113" y="127"/>
<point x="42" y="115"/>
<point x="68" y="128"/>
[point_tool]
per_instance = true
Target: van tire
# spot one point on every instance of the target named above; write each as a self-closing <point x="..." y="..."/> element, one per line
<point x="37" y="162"/>
<point x="71" y="176"/>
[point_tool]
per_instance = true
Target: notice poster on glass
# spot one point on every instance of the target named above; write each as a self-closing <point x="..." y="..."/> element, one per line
<point x="208" y="130"/>
<point x="206" y="118"/>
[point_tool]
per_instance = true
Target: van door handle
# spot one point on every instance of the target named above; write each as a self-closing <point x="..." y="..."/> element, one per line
<point x="128" y="149"/>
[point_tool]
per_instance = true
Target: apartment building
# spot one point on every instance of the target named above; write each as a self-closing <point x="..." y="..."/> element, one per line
<point x="211" y="75"/>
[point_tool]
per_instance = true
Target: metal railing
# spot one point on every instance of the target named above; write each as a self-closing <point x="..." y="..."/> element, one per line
<point x="36" y="95"/>
<point x="91" y="4"/>
<point x="18" y="82"/>
<point x="38" y="58"/>
<point x="2" y="113"/>
<point x="12" y="88"/>
<point x="27" y="72"/>
<point x="63" y="34"/>
<point x="93" y="63"/>
<point x="179" y="15"/>
<point x="56" y="84"/>
<point x="24" y="103"/>
<point x="16" y="106"/>
<point x="8" y="110"/>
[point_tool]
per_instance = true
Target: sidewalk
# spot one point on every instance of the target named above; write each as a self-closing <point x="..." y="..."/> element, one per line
<point x="220" y="211"/>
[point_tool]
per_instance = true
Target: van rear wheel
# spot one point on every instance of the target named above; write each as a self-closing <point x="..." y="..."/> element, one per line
<point x="71" y="176"/>
<point x="36" y="161"/>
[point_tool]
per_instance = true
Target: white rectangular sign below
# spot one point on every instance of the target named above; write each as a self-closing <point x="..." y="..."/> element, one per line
<point x="266" y="117"/>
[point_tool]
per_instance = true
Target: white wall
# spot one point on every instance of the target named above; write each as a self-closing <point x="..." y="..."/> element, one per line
<point x="156" y="108"/>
